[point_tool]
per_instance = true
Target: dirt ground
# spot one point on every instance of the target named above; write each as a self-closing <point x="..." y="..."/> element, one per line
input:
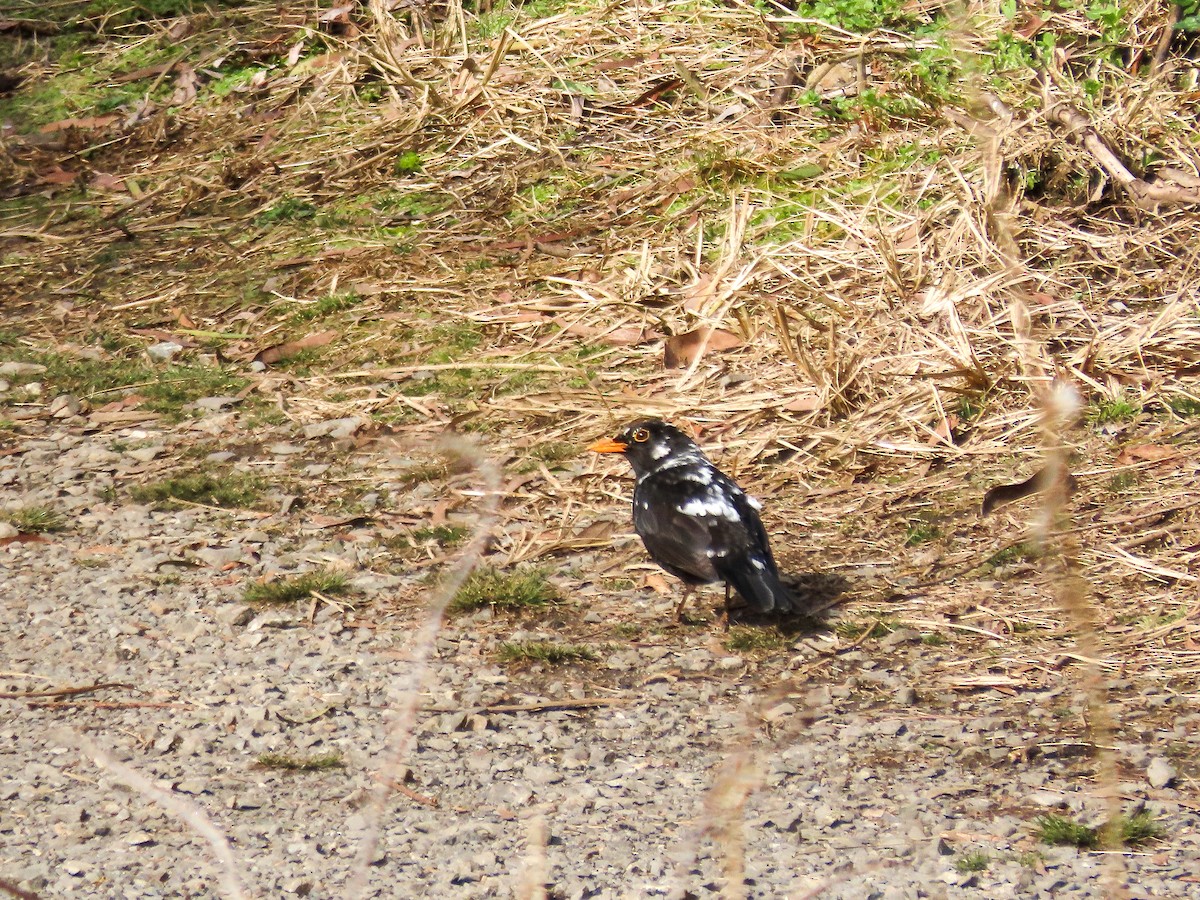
<point x="307" y="316"/>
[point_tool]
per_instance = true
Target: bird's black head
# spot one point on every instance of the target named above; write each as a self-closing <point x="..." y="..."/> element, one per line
<point x="651" y="444"/>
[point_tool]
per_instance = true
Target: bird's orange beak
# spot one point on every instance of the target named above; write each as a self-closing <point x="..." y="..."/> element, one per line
<point x="608" y="445"/>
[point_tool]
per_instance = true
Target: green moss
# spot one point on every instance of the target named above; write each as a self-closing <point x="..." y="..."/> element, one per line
<point x="854" y="630"/>
<point x="1122" y="482"/>
<point x="1022" y="552"/>
<point x="408" y="163"/>
<point x="1184" y="405"/>
<point x="921" y="533"/>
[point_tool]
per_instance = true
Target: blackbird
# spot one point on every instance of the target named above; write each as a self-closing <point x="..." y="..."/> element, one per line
<point x="694" y="520"/>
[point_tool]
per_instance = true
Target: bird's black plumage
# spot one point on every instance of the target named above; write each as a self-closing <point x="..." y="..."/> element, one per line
<point x="694" y="520"/>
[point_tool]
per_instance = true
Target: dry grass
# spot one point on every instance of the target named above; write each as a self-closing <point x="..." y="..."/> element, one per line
<point x="500" y="220"/>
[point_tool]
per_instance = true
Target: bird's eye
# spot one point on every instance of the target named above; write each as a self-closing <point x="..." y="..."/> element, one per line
<point x="641" y="435"/>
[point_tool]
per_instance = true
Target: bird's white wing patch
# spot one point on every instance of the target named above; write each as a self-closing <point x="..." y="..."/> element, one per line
<point x="709" y="505"/>
<point x="753" y="502"/>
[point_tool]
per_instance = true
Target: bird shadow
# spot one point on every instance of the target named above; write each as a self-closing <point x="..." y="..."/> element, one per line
<point x="816" y="594"/>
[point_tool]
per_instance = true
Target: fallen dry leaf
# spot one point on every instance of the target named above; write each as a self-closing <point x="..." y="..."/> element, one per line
<point x="626" y="336"/>
<point x="139" y="74"/>
<point x="803" y="403"/>
<point x="84" y="123"/>
<point x="185" y="86"/>
<point x="103" y="181"/>
<point x="1031" y="25"/>
<point x="324" y="61"/>
<point x="273" y="354"/>
<point x="658" y="584"/>
<point x="179" y="29"/>
<point x="1144" y="453"/>
<point x="682" y="350"/>
<point x="945" y="429"/>
<point x="337" y="21"/>
<point x="24" y="537"/>
<point x="698" y="294"/>
<point x="57" y="175"/>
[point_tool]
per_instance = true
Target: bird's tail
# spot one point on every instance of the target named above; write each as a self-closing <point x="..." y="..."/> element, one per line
<point x="758" y="583"/>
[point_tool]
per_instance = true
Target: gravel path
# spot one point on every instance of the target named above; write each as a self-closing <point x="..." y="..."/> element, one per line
<point x="670" y="766"/>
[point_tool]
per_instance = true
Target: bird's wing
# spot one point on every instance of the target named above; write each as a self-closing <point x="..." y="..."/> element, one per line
<point x="677" y="541"/>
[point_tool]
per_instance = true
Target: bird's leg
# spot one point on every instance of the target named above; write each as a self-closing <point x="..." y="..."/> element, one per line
<point x="725" y="617"/>
<point x="688" y="590"/>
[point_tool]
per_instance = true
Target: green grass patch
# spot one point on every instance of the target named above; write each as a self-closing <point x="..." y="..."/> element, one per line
<point x="163" y="389"/>
<point x="300" y="763"/>
<point x="294" y="588"/>
<point x="1059" y="831"/>
<point x="859" y="16"/>
<point x="918" y="533"/>
<point x="547" y="652"/>
<point x="492" y="24"/>
<point x="34" y="519"/>
<point x="446" y="343"/>
<point x="326" y="306"/>
<point x="408" y="163"/>
<point x="445" y="535"/>
<point x="1121" y="482"/>
<point x="517" y="590"/>
<point x="1024" y="552"/>
<point x="289" y="209"/>
<point x="973" y="861"/>
<point x="754" y="640"/>
<point x="232" y="490"/>
<point x="1184" y="405"/>
<point x="551" y="454"/>
<point x="852" y="631"/>
<point x="628" y="631"/>
<point x="1111" y="411"/>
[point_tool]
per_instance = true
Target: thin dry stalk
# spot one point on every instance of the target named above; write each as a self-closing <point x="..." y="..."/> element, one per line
<point x="401" y="732"/>
<point x="535" y="866"/>
<point x="1074" y="596"/>
<point x="724" y="810"/>
<point x="191" y="815"/>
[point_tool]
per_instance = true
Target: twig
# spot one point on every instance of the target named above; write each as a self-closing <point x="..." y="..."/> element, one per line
<point x="1146" y="195"/>
<point x="102" y="704"/>
<point x="64" y="692"/>
<point x="408" y="792"/>
<point x="554" y="705"/>
<point x="17" y="892"/>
